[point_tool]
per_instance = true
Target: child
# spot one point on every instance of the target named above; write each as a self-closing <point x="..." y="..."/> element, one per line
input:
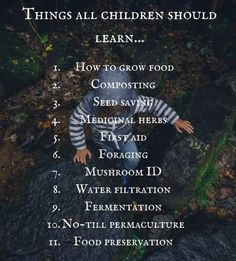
<point x="114" y="87"/>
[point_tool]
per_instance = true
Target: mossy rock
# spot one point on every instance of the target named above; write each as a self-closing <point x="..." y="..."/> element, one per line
<point x="189" y="164"/>
<point x="20" y="65"/>
<point x="208" y="170"/>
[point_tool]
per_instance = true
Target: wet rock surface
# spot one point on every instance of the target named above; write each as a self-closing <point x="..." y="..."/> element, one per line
<point x="215" y="246"/>
<point x="24" y="234"/>
<point x="161" y="233"/>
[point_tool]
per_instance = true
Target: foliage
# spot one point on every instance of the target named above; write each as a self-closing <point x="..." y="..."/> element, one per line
<point x="19" y="62"/>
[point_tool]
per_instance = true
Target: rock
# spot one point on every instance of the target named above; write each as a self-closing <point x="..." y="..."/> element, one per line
<point x="161" y="233"/>
<point x="185" y="157"/>
<point x="227" y="82"/>
<point x="24" y="234"/>
<point x="216" y="246"/>
<point x="188" y="164"/>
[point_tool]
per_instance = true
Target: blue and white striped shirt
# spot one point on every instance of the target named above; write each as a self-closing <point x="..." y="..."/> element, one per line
<point x="86" y="112"/>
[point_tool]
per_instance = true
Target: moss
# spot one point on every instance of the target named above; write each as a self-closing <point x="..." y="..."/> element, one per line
<point x="207" y="172"/>
<point x="20" y="65"/>
<point x="135" y="253"/>
<point x="139" y="252"/>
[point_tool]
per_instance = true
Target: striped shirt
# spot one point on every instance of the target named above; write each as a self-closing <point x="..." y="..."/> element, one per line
<point x="86" y="112"/>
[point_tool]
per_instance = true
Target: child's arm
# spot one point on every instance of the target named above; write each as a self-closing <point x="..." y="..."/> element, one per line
<point x="77" y="136"/>
<point x="161" y="109"/>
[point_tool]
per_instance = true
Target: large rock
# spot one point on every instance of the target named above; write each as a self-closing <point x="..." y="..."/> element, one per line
<point x="216" y="246"/>
<point x="24" y="234"/>
<point x="188" y="163"/>
<point x="162" y="233"/>
<point x="180" y="167"/>
<point x="228" y="82"/>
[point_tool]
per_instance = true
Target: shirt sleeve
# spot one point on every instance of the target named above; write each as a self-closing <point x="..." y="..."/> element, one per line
<point x="76" y="129"/>
<point x="157" y="108"/>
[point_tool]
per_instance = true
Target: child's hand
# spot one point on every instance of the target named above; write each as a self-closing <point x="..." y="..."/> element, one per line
<point x="81" y="156"/>
<point x="183" y="125"/>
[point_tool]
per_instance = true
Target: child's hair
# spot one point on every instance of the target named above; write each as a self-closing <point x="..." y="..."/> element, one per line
<point x="109" y="111"/>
